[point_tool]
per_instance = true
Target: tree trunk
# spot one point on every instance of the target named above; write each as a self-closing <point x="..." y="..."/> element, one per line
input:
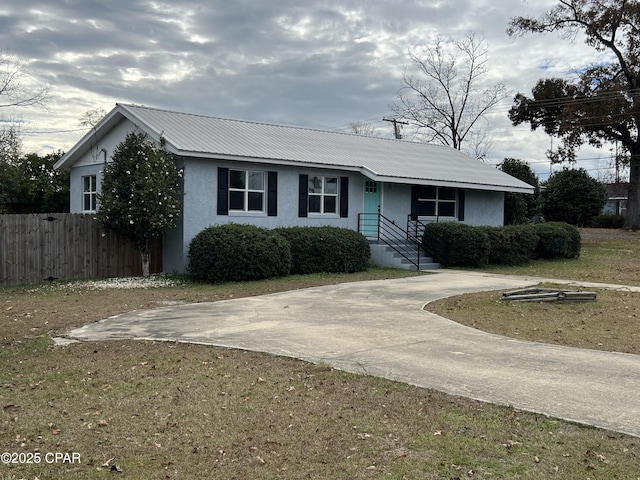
<point x="632" y="217"/>
<point x="146" y="259"/>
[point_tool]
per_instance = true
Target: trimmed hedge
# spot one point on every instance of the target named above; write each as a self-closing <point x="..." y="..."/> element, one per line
<point x="512" y="244"/>
<point x="326" y="249"/>
<point x="558" y="240"/>
<point x="234" y="252"/>
<point x="455" y="244"/>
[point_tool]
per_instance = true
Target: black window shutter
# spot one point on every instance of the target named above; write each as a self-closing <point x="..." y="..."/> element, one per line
<point x="303" y="195"/>
<point x="223" y="191"/>
<point x="414" y="202"/>
<point x="344" y="197"/>
<point x="272" y="194"/>
<point x="461" y="205"/>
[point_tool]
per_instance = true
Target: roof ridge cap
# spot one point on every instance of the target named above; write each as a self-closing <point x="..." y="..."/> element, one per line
<point x="270" y="124"/>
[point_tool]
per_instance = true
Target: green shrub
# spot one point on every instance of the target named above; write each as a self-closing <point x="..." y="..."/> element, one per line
<point x="236" y="252"/>
<point x="455" y="244"/>
<point x="607" y="221"/>
<point x="512" y="244"/>
<point x="557" y="240"/>
<point x="326" y="249"/>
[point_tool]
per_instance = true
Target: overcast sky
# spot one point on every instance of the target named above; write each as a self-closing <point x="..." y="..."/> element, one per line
<point x="320" y="64"/>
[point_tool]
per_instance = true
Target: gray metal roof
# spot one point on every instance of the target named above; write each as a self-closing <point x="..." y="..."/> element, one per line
<point x="378" y="158"/>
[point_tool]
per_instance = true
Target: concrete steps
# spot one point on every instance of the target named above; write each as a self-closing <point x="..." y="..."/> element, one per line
<point x="385" y="255"/>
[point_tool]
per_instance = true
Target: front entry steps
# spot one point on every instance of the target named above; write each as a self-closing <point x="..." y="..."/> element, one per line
<point x="385" y="255"/>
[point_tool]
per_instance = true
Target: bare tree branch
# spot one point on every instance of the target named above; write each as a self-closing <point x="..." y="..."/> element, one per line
<point x="18" y="88"/>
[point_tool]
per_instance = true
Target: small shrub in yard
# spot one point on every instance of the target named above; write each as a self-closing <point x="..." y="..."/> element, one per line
<point x="455" y="244"/>
<point x="557" y="240"/>
<point x="236" y="252"/>
<point x="326" y="249"/>
<point x="512" y="244"/>
<point x="607" y="221"/>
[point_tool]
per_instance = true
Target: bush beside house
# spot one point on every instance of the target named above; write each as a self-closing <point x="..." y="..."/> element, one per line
<point x="455" y="244"/>
<point x="234" y="252"/>
<point x="458" y="245"/>
<point x="326" y="249"/>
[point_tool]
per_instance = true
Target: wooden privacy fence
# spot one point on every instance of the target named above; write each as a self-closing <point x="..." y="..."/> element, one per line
<point x="65" y="246"/>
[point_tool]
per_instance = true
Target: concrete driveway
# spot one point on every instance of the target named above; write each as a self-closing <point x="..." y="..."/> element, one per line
<point x="380" y="328"/>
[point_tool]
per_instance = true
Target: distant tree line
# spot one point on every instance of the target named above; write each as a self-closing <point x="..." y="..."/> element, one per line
<point x="29" y="184"/>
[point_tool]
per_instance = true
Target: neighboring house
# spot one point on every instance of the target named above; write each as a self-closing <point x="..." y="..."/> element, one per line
<point x="616" y="199"/>
<point x="272" y="176"/>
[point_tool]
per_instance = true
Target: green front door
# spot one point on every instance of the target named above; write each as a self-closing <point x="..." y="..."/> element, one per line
<point x="371" y="208"/>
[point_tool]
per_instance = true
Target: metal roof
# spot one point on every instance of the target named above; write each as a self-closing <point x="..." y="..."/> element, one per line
<point x="378" y="158"/>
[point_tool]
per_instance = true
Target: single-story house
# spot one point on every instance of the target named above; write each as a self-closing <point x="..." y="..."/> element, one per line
<point x="274" y="175"/>
<point x="617" y="194"/>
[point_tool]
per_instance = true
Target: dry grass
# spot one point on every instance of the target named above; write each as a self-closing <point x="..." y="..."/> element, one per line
<point x="611" y="323"/>
<point x="141" y="410"/>
<point x="162" y="410"/>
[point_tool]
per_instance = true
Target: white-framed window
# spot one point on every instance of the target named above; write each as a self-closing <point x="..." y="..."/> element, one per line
<point x="437" y="201"/>
<point x="89" y="193"/>
<point x="246" y="191"/>
<point x="323" y="195"/>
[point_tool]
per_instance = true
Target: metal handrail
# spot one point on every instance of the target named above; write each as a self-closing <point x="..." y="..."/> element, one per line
<point x="415" y="227"/>
<point x="392" y="235"/>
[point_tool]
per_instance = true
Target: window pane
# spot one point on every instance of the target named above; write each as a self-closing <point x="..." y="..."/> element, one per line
<point x="427" y="192"/>
<point x="447" y="209"/>
<point x="447" y="194"/>
<point x="330" y="204"/>
<point x="255" y="201"/>
<point x="426" y="208"/>
<point x="88" y="184"/>
<point x="256" y="180"/>
<point x="236" y="200"/>
<point x="315" y="184"/>
<point x="314" y="203"/>
<point x="236" y="179"/>
<point x="331" y="185"/>
<point x="87" y="203"/>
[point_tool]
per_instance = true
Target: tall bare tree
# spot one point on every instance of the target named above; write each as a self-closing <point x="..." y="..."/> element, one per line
<point x="18" y="88"/>
<point x="447" y="101"/>
<point x="603" y="105"/>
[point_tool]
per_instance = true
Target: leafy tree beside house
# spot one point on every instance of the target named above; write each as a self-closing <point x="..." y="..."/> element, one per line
<point x="519" y="207"/>
<point x="573" y="196"/>
<point x="140" y="194"/>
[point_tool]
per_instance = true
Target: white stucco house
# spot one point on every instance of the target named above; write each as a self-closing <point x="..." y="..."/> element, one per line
<point x="273" y="175"/>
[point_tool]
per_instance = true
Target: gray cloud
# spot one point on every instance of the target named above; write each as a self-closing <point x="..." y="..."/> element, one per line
<point x="320" y="64"/>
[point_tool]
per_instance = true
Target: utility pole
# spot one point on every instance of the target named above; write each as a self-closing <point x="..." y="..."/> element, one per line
<point x="396" y="128"/>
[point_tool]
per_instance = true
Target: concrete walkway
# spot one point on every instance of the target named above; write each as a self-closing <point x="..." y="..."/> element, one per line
<point x="380" y="328"/>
